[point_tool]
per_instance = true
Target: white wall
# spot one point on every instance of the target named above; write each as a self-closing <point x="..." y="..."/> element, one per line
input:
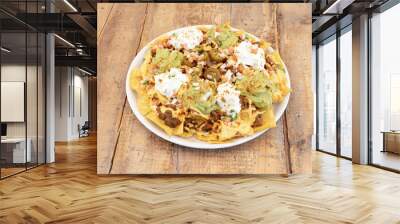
<point x="71" y="102"/>
<point x="13" y="101"/>
<point x="9" y="73"/>
<point x="62" y="81"/>
<point x="81" y="103"/>
<point x="12" y="73"/>
<point x="33" y="127"/>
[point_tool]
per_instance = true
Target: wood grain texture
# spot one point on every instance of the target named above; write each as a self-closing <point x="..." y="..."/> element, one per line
<point x="113" y="68"/>
<point x="70" y="191"/>
<point x="300" y="108"/>
<point x="126" y="147"/>
<point x="105" y="8"/>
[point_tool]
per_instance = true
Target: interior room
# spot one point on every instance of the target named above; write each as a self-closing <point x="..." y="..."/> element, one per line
<point x="22" y="105"/>
<point x="70" y="152"/>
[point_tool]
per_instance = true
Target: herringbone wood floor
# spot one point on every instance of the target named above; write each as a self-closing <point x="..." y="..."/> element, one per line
<point x="69" y="191"/>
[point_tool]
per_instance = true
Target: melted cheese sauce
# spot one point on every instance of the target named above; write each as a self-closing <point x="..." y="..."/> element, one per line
<point x="186" y="38"/>
<point x="168" y="83"/>
<point x="251" y="55"/>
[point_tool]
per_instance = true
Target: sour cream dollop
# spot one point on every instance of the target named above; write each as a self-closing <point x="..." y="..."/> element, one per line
<point x="186" y="38"/>
<point x="250" y="54"/>
<point x="228" y="98"/>
<point x="168" y="83"/>
<point x="228" y="75"/>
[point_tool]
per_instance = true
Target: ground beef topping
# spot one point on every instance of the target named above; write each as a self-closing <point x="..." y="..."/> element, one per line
<point x="258" y="121"/>
<point x="168" y="119"/>
<point x="244" y="102"/>
<point x="208" y="126"/>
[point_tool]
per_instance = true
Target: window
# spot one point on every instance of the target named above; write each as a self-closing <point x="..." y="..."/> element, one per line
<point x="346" y="93"/>
<point x="385" y="89"/>
<point x="22" y="66"/>
<point x="313" y="85"/>
<point x="394" y="102"/>
<point x="335" y="74"/>
<point x="327" y="96"/>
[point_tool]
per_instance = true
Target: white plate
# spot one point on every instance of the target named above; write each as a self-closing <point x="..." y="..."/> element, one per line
<point x="191" y="142"/>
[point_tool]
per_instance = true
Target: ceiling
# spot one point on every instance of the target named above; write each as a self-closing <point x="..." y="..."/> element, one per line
<point x="332" y="15"/>
<point x="75" y="21"/>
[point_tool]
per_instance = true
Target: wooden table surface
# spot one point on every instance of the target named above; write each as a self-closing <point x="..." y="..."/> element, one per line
<point x="126" y="147"/>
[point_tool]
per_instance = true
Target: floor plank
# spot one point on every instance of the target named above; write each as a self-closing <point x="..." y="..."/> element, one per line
<point x="70" y="191"/>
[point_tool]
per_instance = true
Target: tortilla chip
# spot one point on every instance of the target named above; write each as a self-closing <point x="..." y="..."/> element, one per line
<point x="153" y="116"/>
<point x="135" y="79"/>
<point x="268" y="120"/>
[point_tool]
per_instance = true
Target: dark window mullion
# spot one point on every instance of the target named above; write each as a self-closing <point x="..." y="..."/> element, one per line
<point x="338" y="74"/>
<point x="44" y="79"/>
<point x="369" y="100"/>
<point x="26" y="87"/>
<point x="37" y="91"/>
<point x="316" y="96"/>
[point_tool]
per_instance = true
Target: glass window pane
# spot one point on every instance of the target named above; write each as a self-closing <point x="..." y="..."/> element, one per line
<point x="31" y="97"/>
<point x="313" y="84"/>
<point x="14" y="153"/>
<point x="386" y="89"/>
<point x="327" y="96"/>
<point x="346" y="93"/>
<point x="22" y="90"/>
<point x="31" y="88"/>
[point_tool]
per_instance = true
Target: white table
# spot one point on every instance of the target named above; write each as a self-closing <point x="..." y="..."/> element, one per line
<point x="19" y="155"/>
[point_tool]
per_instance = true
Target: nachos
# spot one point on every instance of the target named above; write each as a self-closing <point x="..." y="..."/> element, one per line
<point x="214" y="83"/>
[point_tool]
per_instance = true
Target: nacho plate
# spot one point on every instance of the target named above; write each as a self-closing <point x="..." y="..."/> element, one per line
<point x="201" y="140"/>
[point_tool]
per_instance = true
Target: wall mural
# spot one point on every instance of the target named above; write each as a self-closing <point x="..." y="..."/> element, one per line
<point x="204" y="89"/>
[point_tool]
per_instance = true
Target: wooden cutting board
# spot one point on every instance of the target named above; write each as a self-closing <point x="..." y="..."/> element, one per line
<point x="125" y="146"/>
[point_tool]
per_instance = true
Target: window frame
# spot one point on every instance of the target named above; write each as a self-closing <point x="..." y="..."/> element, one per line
<point x="334" y="37"/>
<point x="27" y="29"/>
<point x="381" y="9"/>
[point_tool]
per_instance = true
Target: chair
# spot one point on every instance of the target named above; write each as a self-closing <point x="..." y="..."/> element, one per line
<point x="84" y="130"/>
